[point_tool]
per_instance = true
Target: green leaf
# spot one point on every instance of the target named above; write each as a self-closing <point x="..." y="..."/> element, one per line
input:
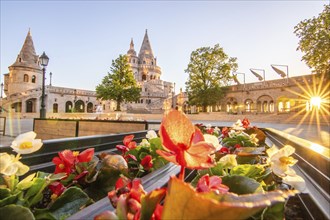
<point x="68" y="203"/>
<point x="7" y="198"/>
<point x="58" y="176"/>
<point x="155" y="144"/>
<point x="4" y="193"/>
<point x="16" y="212"/>
<point x="248" y="170"/>
<point x="37" y="185"/>
<point x="26" y="182"/>
<point x="241" y="184"/>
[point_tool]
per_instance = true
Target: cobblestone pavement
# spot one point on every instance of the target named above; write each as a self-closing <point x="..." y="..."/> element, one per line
<point x="314" y="133"/>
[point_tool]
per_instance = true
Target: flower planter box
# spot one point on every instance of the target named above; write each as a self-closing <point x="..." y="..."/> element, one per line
<point x="312" y="166"/>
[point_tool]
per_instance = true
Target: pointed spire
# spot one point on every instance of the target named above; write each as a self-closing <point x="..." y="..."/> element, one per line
<point x="27" y="56"/>
<point x="146" y="47"/>
<point x="131" y="50"/>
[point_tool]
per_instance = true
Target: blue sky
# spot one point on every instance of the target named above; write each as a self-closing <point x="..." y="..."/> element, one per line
<point x="81" y="38"/>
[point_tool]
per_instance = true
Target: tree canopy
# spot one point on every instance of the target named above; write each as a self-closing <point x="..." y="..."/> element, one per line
<point x="314" y="41"/>
<point x="209" y="72"/>
<point x="119" y="84"/>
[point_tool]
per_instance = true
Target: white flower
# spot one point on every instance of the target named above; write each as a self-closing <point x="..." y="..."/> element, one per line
<point x="238" y="126"/>
<point x="228" y="161"/>
<point x="281" y="161"/>
<point x="212" y="140"/>
<point x="208" y="126"/>
<point x="151" y="134"/>
<point x="26" y="143"/>
<point x="10" y="165"/>
<point x="296" y="181"/>
<point x="145" y="143"/>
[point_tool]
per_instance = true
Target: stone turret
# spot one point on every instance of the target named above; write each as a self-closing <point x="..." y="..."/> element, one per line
<point x="25" y="73"/>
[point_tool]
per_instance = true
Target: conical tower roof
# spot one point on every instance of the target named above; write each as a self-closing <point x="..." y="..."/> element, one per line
<point x="146" y="47"/>
<point x="131" y="50"/>
<point x="27" y="56"/>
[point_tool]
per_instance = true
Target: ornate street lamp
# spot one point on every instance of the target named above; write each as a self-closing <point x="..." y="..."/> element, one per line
<point x="43" y="62"/>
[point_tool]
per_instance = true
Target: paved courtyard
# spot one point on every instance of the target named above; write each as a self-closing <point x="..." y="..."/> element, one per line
<point x="317" y="134"/>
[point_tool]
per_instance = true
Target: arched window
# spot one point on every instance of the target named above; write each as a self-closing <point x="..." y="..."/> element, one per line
<point x="26" y="78"/>
<point x="33" y="79"/>
<point x="144" y="77"/>
<point x="55" y="108"/>
<point x="90" y="107"/>
<point x="68" y="106"/>
<point x="79" y="106"/>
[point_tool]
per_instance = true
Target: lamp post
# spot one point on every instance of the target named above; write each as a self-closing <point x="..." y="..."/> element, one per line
<point x="280" y="72"/>
<point x="50" y="76"/>
<point x="1" y="90"/>
<point x="1" y="98"/>
<point x="243" y="78"/>
<point x="43" y="62"/>
<point x="257" y="75"/>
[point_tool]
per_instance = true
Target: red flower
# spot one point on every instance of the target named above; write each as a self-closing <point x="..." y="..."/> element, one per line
<point x="184" y="143"/>
<point x="64" y="163"/>
<point x="245" y="123"/>
<point x="86" y="156"/>
<point x="128" y="144"/>
<point x="57" y="188"/>
<point x="237" y="146"/>
<point x="146" y="162"/>
<point x="210" y="131"/>
<point x="224" y="132"/>
<point x="224" y="150"/>
<point x="67" y="159"/>
<point x="213" y="183"/>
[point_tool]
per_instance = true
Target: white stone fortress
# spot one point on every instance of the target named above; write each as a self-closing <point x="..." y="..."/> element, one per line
<point x="23" y="87"/>
<point x="154" y="91"/>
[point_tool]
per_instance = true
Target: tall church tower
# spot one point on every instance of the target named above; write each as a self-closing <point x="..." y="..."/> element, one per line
<point x="147" y="75"/>
<point x="144" y="65"/>
<point x="25" y="73"/>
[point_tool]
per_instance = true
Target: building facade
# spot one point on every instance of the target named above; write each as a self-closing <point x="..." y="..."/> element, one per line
<point x="23" y="86"/>
<point x="286" y="95"/>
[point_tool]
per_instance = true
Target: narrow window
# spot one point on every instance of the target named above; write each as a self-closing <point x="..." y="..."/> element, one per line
<point x="26" y="78"/>
<point x="33" y="79"/>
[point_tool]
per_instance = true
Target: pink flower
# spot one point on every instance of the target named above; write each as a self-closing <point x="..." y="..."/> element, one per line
<point x="213" y="183"/>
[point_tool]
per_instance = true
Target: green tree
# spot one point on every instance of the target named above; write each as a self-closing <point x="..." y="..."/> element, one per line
<point x="119" y="84"/>
<point x="314" y="41"/>
<point x="209" y="73"/>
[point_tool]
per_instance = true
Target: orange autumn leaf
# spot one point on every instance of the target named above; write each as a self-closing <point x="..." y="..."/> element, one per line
<point x="183" y="202"/>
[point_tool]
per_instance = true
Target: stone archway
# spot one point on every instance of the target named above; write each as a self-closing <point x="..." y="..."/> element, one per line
<point x="30" y="105"/>
<point x="90" y="107"/>
<point x="265" y="104"/>
<point x="248" y="104"/>
<point x="79" y="106"/>
<point x="231" y="105"/>
<point x="68" y="106"/>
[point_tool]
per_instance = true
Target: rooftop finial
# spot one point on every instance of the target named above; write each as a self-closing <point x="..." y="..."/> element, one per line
<point x="146" y="31"/>
<point x="29" y="33"/>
